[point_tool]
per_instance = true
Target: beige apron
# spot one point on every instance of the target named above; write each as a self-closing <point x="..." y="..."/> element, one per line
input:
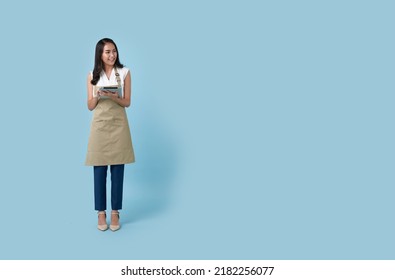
<point x="109" y="141"/>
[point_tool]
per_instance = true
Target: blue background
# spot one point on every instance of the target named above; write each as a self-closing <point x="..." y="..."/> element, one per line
<point x="262" y="129"/>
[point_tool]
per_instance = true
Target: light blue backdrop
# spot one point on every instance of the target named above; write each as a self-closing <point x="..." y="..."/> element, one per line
<point x="262" y="129"/>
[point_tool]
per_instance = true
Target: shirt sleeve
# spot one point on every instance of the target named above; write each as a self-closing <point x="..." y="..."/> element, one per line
<point x="124" y="73"/>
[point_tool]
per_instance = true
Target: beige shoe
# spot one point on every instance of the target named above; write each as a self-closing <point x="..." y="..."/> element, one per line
<point x="115" y="227"/>
<point x="105" y="226"/>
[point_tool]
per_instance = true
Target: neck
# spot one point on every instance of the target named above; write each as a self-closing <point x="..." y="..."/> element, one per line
<point x="108" y="68"/>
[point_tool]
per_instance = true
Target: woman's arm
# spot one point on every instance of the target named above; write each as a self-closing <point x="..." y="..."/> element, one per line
<point x="127" y="93"/>
<point x="92" y="101"/>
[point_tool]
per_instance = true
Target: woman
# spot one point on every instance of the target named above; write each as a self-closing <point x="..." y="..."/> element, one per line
<point x="110" y="143"/>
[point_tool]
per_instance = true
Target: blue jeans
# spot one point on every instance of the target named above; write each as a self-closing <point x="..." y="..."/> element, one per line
<point x="100" y="177"/>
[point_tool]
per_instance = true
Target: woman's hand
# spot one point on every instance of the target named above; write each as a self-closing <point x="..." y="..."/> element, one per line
<point x="111" y="94"/>
<point x="114" y="97"/>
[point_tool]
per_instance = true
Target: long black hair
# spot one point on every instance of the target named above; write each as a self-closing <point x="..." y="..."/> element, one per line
<point x="99" y="63"/>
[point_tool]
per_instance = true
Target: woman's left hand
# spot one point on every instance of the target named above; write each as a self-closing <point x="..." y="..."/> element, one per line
<point x="112" y="94"/>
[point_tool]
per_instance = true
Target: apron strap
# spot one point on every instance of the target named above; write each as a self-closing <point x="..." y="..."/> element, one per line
<point x="117" y="76"/>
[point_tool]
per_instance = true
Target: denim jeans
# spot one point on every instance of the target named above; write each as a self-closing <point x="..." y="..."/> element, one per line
<point x="100" y="178"/>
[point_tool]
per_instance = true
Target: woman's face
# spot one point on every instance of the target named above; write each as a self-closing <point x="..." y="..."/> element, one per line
<point x="109" y="55"/>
